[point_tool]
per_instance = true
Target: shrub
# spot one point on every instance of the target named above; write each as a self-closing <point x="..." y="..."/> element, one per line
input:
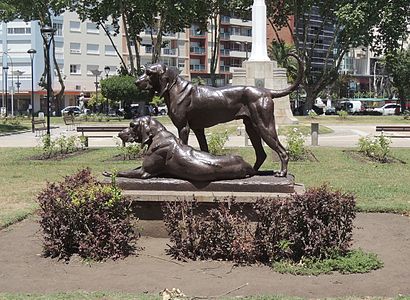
<point x="342" y="114"/>
<point x="216" y="142"/>
<point x="129" y="151"/>
<point x="219" y="234"/>
<point x="295" y="144"/>
<point x="51" y="147"/>
<point x="377" y="148"/>
<point x="312" y="114"/>
<point x="316" y="224"/>
<point x="83" y="216"/>
<point x="406" y="114"/>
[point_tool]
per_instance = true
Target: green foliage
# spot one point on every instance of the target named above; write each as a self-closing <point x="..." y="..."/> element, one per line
<point x="342" y="114"/>
<point x="83" y="216"/>
<point x="278" y="51"/>
<point x="312" y="114"/>
<point x="355" y="261"/>
<point x="398" y="66"/>
<point x="52" y="147"/>
<point x="130" y="151"/>
<point x="377" y="148"/>
<point x="295" y="144"/>
<point x="122" y="89"/>
<point x="216" y="142"/>
<point x="406" y="114"/>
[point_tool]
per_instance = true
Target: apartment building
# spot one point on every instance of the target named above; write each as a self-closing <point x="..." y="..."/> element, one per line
<point x="16" y="38"/>
<point x="190" y="50"/>
<point x="82" y="50"/>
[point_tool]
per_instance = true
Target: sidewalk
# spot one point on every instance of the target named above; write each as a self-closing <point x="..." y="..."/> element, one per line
<point x="343" y="136"/>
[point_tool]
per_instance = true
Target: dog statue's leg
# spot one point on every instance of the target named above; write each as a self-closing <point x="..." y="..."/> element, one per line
<point x="183" y="133"/>
<point x="135" y="173"/>
<point x="256" y="143"/>
<point x="200" y="136"/>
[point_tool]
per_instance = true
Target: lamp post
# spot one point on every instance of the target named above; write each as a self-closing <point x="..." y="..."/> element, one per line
<point x="107" y="71"/>
<point x="32" y="52"/>
<point x="96" y="73"/>
<point x="18" y="73"/>
<point x="48" y="32"/>
<point x="5" y="70"/>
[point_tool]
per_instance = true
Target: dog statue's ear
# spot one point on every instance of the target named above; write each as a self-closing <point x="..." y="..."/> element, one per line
<point x="145" y="131"/>
<point x="164" y="68"/>
<point x="132" y="124"/>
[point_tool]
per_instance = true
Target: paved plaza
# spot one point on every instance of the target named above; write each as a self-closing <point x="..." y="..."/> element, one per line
<point x="342" y="136"/>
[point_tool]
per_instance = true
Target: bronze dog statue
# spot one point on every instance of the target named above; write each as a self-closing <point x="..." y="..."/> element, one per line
<point x="166" y="155"/>
<point x="198" y="107"/>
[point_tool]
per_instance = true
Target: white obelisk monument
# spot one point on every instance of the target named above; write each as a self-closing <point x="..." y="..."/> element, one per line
<point x="260" y="71"/>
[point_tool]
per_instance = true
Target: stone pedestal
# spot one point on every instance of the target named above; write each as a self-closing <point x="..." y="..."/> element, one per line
<point x="150" y="195"/>
<point x="266" y="74"/>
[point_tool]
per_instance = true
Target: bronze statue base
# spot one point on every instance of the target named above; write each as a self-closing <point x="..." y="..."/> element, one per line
<point x="149" y="195"/>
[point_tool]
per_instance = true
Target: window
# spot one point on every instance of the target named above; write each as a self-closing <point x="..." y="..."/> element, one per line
<point x="75" y="48"/>
<point x="93" y="49"/>
<point x="92" y="28"/>
<point x="91" y="68"/>
<point x="59" y="29"/>
<point x="110" y="50"/>
<point x="19" y="30"/>
<point x="75" y="26"/>
<point x="75" y="69"/>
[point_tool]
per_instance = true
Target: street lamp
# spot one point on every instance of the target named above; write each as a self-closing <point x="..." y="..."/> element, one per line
<point x="32" y="52"/>
<point x="18" y="73"/>
<point x="48" y="32"/>
<point x="107" y="71"/>
<point x="96" y="73"/>
<point x="5" y="70"/>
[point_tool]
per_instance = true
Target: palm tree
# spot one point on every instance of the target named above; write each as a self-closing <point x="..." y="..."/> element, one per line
<point x="279" y="51"/>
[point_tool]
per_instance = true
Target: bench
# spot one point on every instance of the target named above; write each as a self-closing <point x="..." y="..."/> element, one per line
<point x="39" y="126"/>
<point x="99" y="129"/>
<point x="394" y="128"/>
<point x="70" y="121"/>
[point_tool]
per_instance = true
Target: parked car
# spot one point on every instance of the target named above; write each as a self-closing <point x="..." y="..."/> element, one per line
<point x="71" y="110"/>
<point x="388" y="109"/>
<point x="330" y="111"/>
<point x="351" y="106"/>
<point x="162" y="110"/>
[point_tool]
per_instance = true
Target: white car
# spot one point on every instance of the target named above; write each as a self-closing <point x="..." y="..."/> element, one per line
<point x="162" y="110"/>
<point x="387" y="109"/>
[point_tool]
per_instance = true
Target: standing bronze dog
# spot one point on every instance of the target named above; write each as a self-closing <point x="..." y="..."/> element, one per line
<point x="199" y="107"/>
<point x="166" y="155"/>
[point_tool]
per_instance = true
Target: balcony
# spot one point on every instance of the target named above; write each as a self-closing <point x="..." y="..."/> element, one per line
<point x="197" y="50"/>
<point x="168" y="51"/>
<point x="224" y="52"/>
<point x="197" y="68"/>
<point x="225" y="36"/>
<point x="196" y="33"/>
<point x="224" y="69"/>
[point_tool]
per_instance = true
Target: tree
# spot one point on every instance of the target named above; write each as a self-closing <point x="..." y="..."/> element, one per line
<point x="122" y="89"/>
<point x="43" y="11"/>
<point x="398" y="66"/>
<point x="159" y="17"/>
<point x="279" y="51"/>
<point x="379" y="24"/>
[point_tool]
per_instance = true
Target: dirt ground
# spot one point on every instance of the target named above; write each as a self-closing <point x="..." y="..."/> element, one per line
<point x="23" y="269"/>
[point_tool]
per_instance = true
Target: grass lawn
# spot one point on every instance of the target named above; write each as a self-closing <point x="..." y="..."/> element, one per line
<point x="378" y="187"/>
<point x="354" y="120"/>
<point x="9" y="128"/>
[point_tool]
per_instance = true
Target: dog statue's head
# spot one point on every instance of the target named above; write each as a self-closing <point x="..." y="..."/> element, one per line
<point x="141" y="130"/>
<point x="157" y="78"/>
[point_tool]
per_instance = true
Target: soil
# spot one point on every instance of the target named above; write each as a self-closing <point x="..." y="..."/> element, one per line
<point x="23" y="269"/>
<point x="361" y="157"/>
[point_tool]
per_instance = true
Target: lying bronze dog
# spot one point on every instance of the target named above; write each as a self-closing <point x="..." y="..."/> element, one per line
<point x="198" y="107"/>
<point x="166" y="155"/>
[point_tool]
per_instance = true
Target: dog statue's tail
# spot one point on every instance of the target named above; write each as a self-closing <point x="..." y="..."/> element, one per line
<point x="294" y="86"/>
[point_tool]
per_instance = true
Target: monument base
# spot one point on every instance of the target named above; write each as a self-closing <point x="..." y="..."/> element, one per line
<point x="150" y="195"/>
<point x="266" y="74"/>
